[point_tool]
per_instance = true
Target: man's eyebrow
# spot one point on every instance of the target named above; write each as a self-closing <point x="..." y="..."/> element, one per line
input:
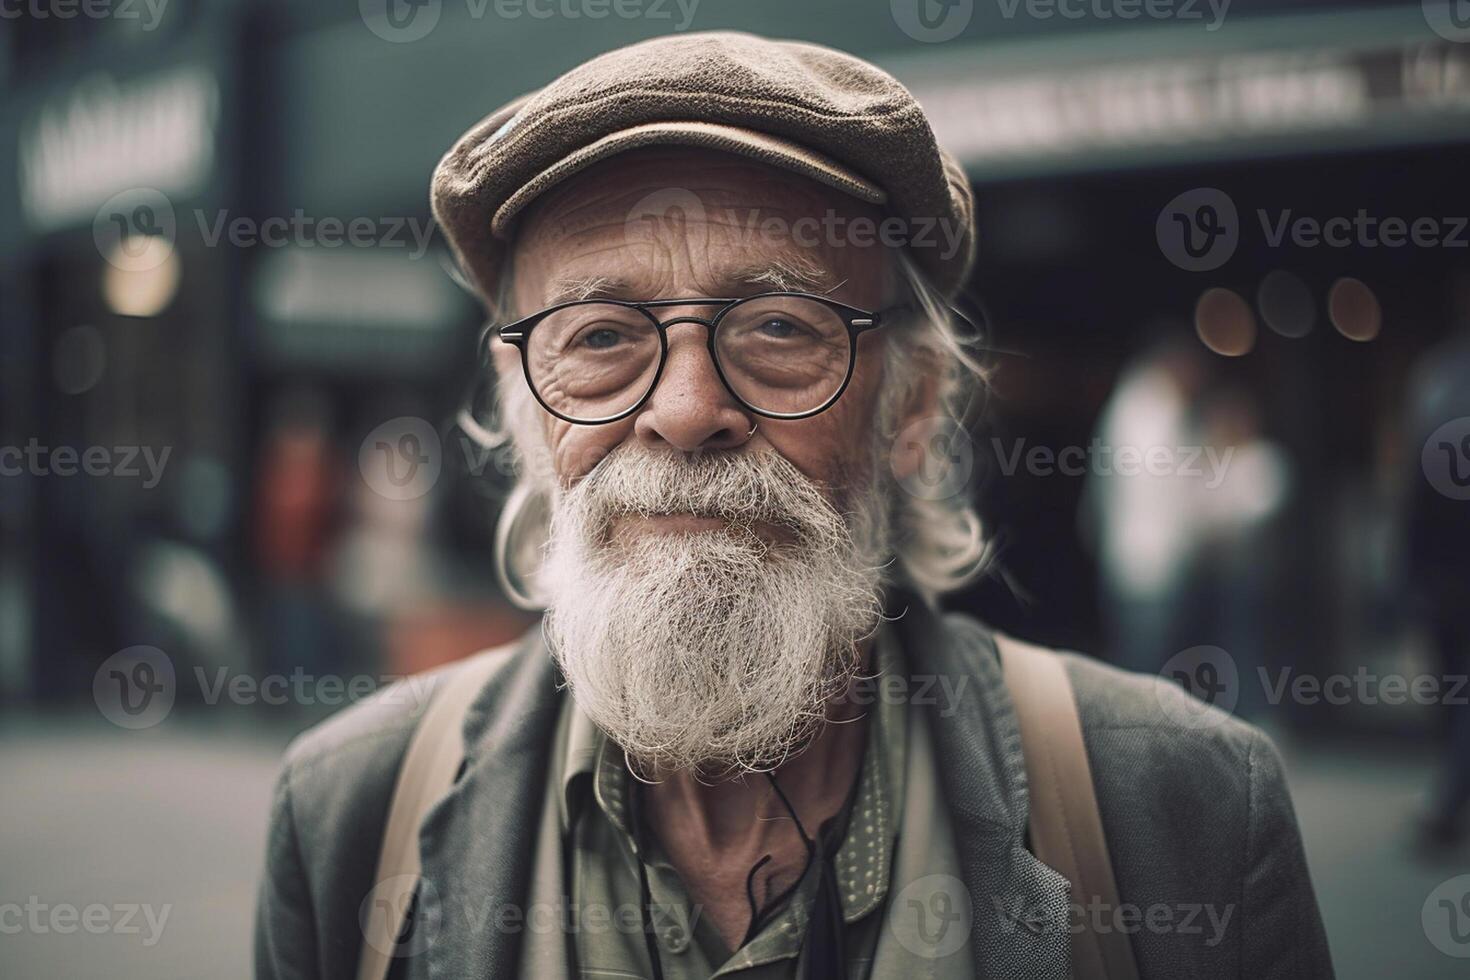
<point x="786" y="275"/>
<point x="568" y="288"/>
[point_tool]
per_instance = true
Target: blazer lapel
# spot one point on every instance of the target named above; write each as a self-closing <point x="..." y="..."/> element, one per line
<point x="477" y="842"/>
<point x="1020" y="925"/>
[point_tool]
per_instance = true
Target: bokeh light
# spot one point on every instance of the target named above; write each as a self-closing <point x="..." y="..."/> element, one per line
<point x="1354" y="310"/>
<point x="1224" y="322"/>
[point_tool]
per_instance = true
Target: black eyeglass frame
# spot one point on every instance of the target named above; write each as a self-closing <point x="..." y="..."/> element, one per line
<point x="857" y="321"/>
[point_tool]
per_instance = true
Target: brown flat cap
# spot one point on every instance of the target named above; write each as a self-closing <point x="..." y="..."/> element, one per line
<point x="819" y="112"/>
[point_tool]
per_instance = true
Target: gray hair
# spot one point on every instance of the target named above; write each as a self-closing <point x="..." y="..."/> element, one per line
<point x="938" y="538"/>
<point x="939" y="544"/>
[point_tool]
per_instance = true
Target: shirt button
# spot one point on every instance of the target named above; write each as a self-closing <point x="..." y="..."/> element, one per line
<point x="675" y="939"/>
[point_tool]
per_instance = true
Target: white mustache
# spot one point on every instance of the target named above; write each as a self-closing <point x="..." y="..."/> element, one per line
<point x="739" y="487"/>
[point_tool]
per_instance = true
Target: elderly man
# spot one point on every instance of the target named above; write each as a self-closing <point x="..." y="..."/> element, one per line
<point x="743" y="742"/>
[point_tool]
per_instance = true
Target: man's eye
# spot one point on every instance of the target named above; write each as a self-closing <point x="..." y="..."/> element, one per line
<point x="601" y="339"/>
<point x="777" y="327"/>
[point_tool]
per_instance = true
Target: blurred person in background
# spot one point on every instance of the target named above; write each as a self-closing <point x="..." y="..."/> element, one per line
<point x="383" y="566"/>
<point x="725" y="552"/>
<point x="1148" y="526"/>
<point x="1438" y="547"/>
<point x="1238" y="556"/>
<point x="297" y="512"/>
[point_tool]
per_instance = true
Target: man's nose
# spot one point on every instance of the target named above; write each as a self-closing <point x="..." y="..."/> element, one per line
<point x="691" y="409"/>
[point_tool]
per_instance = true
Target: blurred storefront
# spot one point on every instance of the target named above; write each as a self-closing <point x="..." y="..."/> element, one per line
<point x="1333" y="119"/>
<point x="121" y="375"/>
<point x="220" y="347"/>
<point x="262" y="366"/>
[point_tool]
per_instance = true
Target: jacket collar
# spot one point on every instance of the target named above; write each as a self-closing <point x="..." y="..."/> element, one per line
<point x="476" y="841"/>
<point x="1019" y="906"/>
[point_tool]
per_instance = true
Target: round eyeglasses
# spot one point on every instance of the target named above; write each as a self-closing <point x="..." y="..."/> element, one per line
<point x="782" y="355"/>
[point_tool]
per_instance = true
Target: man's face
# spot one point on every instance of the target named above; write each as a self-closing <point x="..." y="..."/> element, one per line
<point x="708" y="588"/>
<point x="594" y="237"/>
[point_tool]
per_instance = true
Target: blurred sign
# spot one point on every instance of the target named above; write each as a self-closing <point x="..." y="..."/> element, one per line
<point x="101" y="137"/>
<point x="363" y="309"/>
<point x="1205" y="102"/>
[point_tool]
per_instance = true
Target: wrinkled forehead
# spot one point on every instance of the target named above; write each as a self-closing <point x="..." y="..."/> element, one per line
<point x="663" y="222"/>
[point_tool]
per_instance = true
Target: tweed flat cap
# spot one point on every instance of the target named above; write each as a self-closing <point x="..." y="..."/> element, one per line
<point x="803" y="107"/>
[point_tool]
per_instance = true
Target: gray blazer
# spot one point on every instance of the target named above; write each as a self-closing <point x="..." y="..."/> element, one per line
<point x="1200" y="826"/>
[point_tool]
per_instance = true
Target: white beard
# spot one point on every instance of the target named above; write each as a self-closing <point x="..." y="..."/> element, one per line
<point x="713" y="650"/>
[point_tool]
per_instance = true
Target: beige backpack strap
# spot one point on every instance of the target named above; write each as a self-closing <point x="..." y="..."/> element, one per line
<point x="427" y="772"/>
<point x="1066" y="828"/>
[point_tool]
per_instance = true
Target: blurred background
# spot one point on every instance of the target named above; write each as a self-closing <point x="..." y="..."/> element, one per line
<point x="232" y="349"/>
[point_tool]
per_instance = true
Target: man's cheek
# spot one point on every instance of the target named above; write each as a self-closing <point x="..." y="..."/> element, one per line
<point x="576" y="454"/>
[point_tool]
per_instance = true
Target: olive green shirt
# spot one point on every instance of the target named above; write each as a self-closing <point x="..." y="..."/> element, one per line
<point x="594" y="788"/>
<point x="906" y="913"/>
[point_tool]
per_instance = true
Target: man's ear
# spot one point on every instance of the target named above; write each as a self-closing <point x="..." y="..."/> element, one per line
<point x="919" y="418"/>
